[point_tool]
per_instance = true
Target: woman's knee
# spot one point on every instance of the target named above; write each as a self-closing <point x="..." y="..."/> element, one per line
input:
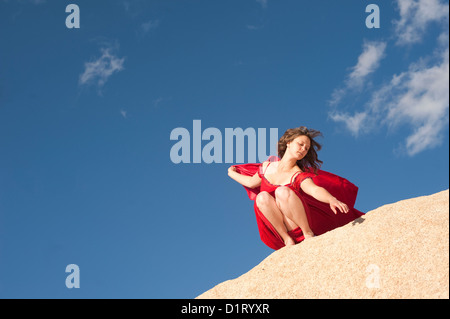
<point x="282" y="193"/>
<point x="263" y="199"/>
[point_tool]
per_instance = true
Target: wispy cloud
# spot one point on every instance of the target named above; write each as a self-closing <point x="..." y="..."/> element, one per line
<point x="133" y="8"/>
<point x="263" y="3"/>
<point x="159" y="101"/>
<point x="254" y="27"/>
<point x="417" y="97"/>
<point x="98" y="71"/>
<point x="262" y="21"/>
<point x="368" y="62"/>
<point x="354" y="123"/>
<point x="26" y="1"/>
<point x="415" y="16"/>
<point x="420" y="97"/>
<point x="149" y="25"/>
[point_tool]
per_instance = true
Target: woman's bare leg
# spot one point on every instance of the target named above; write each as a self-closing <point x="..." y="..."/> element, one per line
<point x="267" y="205"/>
<point x="292" y="207"/>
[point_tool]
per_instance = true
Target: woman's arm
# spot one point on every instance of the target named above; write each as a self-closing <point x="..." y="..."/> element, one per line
<point x="248" y="181"/>
<point x="322" y="195"/>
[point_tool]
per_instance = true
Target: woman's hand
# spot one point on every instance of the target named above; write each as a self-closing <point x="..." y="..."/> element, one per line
<point x="247" y="181"/>
<point x="231" y="169"/>
<point x="322" y="195"/>
<point x="336" y="204"/>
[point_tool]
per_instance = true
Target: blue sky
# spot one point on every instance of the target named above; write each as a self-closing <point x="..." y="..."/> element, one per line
<point x="86" y="114"/>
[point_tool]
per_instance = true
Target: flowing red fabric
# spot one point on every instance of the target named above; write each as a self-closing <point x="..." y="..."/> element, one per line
<point x="320" y="216"/>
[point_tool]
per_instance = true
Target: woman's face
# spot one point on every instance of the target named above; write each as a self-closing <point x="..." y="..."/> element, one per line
<point x="299" y="147"/>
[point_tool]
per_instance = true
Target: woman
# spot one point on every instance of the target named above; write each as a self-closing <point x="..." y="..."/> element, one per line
<point x="293" y="198"/>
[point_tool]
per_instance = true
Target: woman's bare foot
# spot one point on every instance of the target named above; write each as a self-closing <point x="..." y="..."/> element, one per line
<point x="308" y="235"/>
<point x="289" y="241"/>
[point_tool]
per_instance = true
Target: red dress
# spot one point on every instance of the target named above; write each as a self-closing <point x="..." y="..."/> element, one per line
<point x="320" y="216"/>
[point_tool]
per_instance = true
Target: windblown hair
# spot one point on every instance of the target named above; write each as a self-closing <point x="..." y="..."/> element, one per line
<point x="311" y="159"/>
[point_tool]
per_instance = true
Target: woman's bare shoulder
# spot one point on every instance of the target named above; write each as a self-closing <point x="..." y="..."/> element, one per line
<point x="266" y="163"/>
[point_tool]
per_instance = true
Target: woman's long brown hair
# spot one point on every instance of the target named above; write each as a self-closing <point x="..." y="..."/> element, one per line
<point x="311" y="159"/>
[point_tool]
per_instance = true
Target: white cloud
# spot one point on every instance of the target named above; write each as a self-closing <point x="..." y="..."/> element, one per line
<point x="263" y="3"/>
<point x="421" y="99"/>
<point x="368" y="62"/>
<point x="415" y="16"/>
<point x="418" y="98"/>
<point x="149" y="25"/>
<point x="123" y="113"/>
<point x="160" y="101"/>
<point x="100" y="70"/>
<point x="36" y="2"/>
<point x="157" y="101"/>
<point x="126" y="5"/>
<point x="354" y="123"/>
<point x="254" y="27"/>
